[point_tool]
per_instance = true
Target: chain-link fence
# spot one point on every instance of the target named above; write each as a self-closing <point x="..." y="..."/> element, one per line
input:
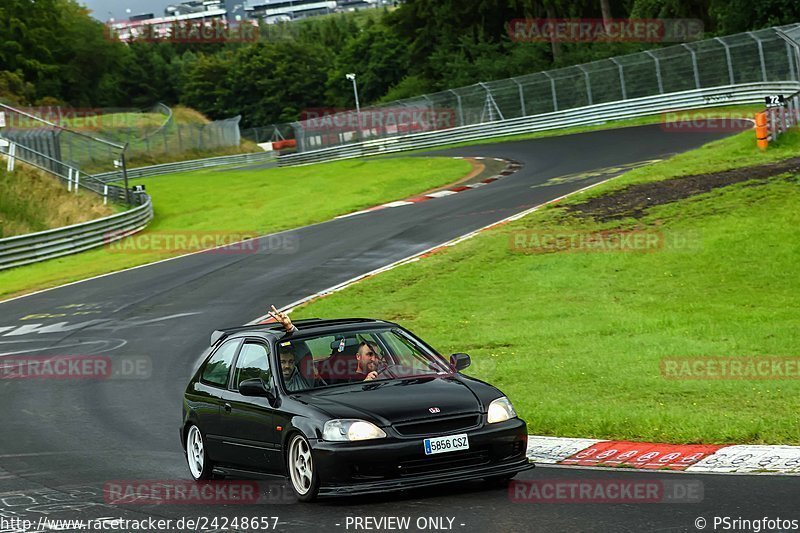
<point x="764" y="55"/>
<point x="72" y="156"/>
<point x="77" y="144"/>
<point x="273" y="133"/>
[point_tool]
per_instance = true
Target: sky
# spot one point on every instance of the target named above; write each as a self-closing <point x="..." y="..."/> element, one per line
<point x="101" y="8"/>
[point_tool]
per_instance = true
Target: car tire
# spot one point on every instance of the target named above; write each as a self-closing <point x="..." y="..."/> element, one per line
<point x="200" y="466"/>
<point x="303" y="476"/>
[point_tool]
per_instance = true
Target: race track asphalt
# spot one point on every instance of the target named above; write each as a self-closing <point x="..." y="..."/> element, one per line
<point x="61" y="442"/>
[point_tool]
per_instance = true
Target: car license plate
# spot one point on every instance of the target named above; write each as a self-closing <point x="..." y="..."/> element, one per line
<point x="450" y="443"/>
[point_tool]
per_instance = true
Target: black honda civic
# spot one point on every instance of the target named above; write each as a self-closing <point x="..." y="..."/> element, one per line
<point x="343" y="407"/>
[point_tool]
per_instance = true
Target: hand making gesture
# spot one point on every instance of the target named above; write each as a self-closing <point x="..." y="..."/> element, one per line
<point x="283" y="318"/>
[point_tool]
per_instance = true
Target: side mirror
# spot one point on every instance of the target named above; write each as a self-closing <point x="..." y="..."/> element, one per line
<point x="255" y="387"/>
<point x="459" y="361"/>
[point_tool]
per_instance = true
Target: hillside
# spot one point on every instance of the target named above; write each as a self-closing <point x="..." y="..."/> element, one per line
<point x="34" y="201"/>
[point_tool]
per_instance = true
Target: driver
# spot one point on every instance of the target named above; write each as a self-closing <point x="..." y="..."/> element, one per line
<point x="367" y="359"/>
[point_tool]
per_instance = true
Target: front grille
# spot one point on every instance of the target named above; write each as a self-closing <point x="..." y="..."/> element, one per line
<point x="446" y="461"/>
<point x="437" y="426"/>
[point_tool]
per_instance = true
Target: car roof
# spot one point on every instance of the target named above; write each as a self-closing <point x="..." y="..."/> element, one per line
<point x="308" y="326"/>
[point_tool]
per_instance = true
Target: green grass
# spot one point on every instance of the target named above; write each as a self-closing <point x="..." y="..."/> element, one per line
<point x="33" y="201"/>
<point x="575" y="339"/>
<point x="248" y="202"/>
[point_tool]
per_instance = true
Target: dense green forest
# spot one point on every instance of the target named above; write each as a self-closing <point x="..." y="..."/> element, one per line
<point x="52" y="52"/>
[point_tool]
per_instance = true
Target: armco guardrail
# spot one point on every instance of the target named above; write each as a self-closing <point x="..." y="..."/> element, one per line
<point x="184" y="166"/>
<point x="725" y="95"/>
<point x="33" y="247"/>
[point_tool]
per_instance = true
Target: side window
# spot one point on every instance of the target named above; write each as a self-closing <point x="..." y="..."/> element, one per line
<point x="217" y="368"/>
<point x="253" y="363"/>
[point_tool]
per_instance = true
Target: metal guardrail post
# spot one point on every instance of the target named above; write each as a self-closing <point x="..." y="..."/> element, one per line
<point x="125" y="175"/>
<point x="760" y="55"/>
<point x="621" y="77"/>
<point x="521" y="97"/>
<point x="458" y="103"/>
<point x="694" y="65"/>
<point x="658" y="71"/>
<point x="588" y="83"/>
<point x="552" y="89"/>
<point x="794" y="60"/>
<point x="728" y="59"/>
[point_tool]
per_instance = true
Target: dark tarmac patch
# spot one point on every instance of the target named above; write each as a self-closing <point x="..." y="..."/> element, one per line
<point x="633" y="201"/>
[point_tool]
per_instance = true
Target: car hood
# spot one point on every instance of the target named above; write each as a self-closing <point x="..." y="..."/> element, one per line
<point x="389" y="402"/>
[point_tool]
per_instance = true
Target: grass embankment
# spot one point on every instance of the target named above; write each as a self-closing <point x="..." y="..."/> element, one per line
<point x="151" y="140"/>
<point x="32" y="201"/>
<point x="247" y="202"/>
<point x="576" y="338"/>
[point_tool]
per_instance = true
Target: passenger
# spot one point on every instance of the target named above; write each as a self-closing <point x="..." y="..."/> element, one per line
<point x="292" y="376"/>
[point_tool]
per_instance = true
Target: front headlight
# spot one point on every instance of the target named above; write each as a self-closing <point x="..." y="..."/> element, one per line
<point x="500" y="410"/>
<point x="351" y="429"/>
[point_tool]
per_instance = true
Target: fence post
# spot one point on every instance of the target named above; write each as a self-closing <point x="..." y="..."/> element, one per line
<point x="105" y="194"/>
<point x="12" y="150"/>
<point x="658" y="71"/>
<point x="728" y="59"/>
<point x="552" y="89"/>
<point x="621" y="77"/>
<point x="491" y="104"/>
<point x="588" y="83"/>
<point x="760" y="55"/>
<point x="69" y="179"/>
<point x="77" y="180"/>
<point x="694" y="65"/>
<point x="521" y="96"/>
<point x="458" y="103"/>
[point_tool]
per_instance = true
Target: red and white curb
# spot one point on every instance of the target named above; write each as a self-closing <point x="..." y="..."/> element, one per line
<point x="510" y="168"/>
<point x="697" y="458"/>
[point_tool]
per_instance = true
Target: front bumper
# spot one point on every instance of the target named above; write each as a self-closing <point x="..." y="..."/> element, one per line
<point x="398" y="463"/>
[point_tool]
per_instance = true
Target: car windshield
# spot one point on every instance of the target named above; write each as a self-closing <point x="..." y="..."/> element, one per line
<point x="356" y="356"/>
